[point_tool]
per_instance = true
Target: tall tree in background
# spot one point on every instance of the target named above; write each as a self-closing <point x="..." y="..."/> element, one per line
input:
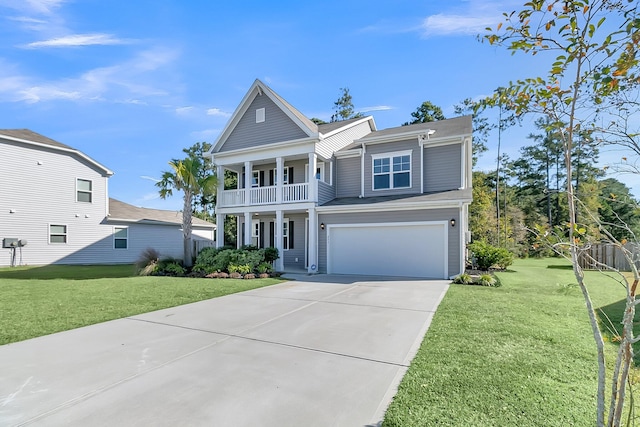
<point x="426" y="112"/>
<point x="203" y="204"/>
<point x="185" y="176"/>
<point x="343" y="107"/>
<point x="590" y="66"/>
<point x="481" y="126"/>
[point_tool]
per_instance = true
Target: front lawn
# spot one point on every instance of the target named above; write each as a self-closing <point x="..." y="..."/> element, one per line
<point x="37" y="301"/>
<point x="519" y="355"/>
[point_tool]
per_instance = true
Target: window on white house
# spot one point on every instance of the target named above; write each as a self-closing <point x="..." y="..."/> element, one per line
<point x="120" y="237"/>
<point x="255" y="180"/>
<point x="392" y="171"/>
<point x="57" y="233"/>
<point x="285" y="173"/>
<point x="285" y="234"/>
<point x="84" y="191"/>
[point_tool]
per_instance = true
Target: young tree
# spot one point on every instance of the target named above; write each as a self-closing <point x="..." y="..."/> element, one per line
<point x="184" y="176"/>
<point x="589" y="67"/>
<point x="426" y="112"/>
<point x="343" y="107"/>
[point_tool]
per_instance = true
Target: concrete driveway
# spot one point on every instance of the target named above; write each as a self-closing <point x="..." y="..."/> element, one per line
<point x="318" y="351"/>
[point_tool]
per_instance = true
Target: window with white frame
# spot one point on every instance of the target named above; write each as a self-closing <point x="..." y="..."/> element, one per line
<point x="120" y="237"/>
<point x="285" y="234"/>
<point x="255" y="180"/>
<point x="285" y="175"/>
<point x="391" y="170"/>
<point x="84" y="190"/>
<point x="57" y="233"/>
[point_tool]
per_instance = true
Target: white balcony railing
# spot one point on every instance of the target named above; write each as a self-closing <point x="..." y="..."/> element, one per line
<point x="291" y="193"/>
<point x="263" y="195"/>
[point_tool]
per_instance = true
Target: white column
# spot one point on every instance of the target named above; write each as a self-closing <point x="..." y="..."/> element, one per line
<point x="279" y="241"/>
<point x="313" y="182"/>
<point x="248" y="181"/>
<point x="238" y="232"/>
<point x="220" y="230"/>
<point x="220" y="188"/>
<point x="313" y="241"/>
<point x="247" y="228"/>
<point x="279" y="178"/>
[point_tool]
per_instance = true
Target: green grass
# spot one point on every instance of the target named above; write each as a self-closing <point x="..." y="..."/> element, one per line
<point x="37" y="301"/>
<point x="519" y="355"/>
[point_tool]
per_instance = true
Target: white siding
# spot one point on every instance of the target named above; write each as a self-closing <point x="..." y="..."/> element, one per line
<point x="328" y="146"/>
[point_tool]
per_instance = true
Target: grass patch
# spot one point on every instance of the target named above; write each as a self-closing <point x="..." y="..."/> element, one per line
<point x="38" y="301"/>
<point x="519" y="355"/>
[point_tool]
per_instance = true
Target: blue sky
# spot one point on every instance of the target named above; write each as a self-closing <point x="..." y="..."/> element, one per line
<point x="131" y="83"/>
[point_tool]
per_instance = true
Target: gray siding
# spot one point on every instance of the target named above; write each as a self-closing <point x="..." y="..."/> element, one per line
<point x="394" y="216"/>
<point x="277" y="127"/>
<point x="326" y="193"/>
<point x="347" y="179"/>
<point x="442" y="168"/>
<point x="391" y="148"/>
<point x="328" y="146"/>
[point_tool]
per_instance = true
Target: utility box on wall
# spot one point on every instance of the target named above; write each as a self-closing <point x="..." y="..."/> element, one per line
<point x="9" y="242"/>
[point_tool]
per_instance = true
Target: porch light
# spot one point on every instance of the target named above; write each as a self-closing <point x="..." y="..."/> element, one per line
<point x="453" y="222"/>
<point x="322" y="225"/>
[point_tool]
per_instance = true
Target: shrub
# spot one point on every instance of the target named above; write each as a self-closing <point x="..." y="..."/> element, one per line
<point x="463" y="279"/>
<point x="487" y="280"/>
<point x="244" y="269"/>
<point x="173" y="269"/>
<point x="487" y="256"/>
<point x="270" y="255"/>
<point x="204" y="260"/>
<point x="147" y="262"/>
<point x="232" y="268"/>
<point x="264" y="268"/>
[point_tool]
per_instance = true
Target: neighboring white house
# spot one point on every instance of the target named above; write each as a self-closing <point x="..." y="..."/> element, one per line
<point x="344" y="197"/>
<point x="55" y="198"/>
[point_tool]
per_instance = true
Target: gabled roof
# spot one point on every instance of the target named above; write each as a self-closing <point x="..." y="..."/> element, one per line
<point x="459" y="126"/>
<point x="258" y="87"/>
<point x="121" y="211"/>
<point x="330" y="127"/>
<point x="29" y="137"/>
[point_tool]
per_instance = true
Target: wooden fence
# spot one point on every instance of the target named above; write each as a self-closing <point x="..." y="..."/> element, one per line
<point x="199" y="245"/>
<point x="593" y="256"/>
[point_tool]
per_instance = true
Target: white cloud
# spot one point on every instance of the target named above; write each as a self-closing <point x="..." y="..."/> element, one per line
<point x="42" y="7"/>
<point x="375" y="108"/>
<point x="217" y="112"/>
<point x="147" y="197"/>
<point x="443" y="24"/>
<point x="74" y="40"/>
<point x="181" y="111"/>
<point x="149" y="178"/>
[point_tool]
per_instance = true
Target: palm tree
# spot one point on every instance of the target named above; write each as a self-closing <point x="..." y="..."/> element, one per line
<point x="186" y="176"/>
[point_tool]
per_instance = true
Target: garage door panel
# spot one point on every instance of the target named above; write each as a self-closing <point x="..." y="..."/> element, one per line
<point x="413" y="250"/>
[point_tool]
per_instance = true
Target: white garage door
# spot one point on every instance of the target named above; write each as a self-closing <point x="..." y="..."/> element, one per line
<point x="401" y="249"/>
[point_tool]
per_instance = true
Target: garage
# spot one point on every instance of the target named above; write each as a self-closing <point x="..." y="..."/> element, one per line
<point x="412" y="249"/>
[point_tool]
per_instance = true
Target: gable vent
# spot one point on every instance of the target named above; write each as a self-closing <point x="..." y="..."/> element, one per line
<point x="260" y="115"/>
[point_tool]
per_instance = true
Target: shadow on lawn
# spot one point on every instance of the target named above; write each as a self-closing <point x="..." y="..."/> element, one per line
<point x="610" y="323"/>
<point x="68" y="272"/>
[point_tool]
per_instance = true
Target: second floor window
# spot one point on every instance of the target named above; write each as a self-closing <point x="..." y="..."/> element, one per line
<point x="392" y="171"/>
<point x="84" y="190"/>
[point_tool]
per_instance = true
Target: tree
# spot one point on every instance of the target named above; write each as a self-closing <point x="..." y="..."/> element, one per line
<point x="426" y="112"/>
<point x="481" y="126"/>
<point x="185" y="177"/>
<point x="589" y="68"/>
<point x="318" y="121"/>
<point x="343" y="107"/>
<point x="618" y="207"/>
<point x="203" y="204"/>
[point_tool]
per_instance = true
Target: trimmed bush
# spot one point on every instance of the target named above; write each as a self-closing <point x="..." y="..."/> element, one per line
<point x="487" y="256"/>
<point x="211" y="260"/>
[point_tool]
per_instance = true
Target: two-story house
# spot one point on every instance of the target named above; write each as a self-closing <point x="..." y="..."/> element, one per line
<point x="344" y="197"/>
<point x="55" y="208"/>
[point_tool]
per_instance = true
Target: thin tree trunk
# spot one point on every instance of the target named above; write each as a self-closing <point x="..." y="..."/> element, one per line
<point x="186" y="228"/>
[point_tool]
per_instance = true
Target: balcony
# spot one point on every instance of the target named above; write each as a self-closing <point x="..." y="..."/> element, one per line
<point x="291" y="193"/>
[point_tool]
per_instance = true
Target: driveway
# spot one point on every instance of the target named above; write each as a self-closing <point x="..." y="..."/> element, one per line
<point x="317" y="351"/>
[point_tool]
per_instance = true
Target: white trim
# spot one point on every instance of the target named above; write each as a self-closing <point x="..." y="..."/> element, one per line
<point x="285" y="171"/>
<point x="239" y="210"/>
<point x="389" y="206"/>
<point x="306" y="242"/>
<point x="391" y="156"/>
<point x="362" y="155"/>
<point x="445" y="243"/>
<point x="285" y="234"/>
<point x="126" y="239"/>
<point x="350" y="125"/>
<point x="280" y="149"/>
<point x="65" y="234"/>
<point x="53" y="147"/>
<point x="446" y="140"/>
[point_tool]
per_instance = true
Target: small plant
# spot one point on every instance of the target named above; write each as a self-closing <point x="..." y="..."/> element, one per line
<point x="486" y="256"/>
<point x="487" y="280"/>
<point x="270" y="255"/>
<point x="232" y="268"/>
<point x="463" y="279"/>
<point x="244" y="269"/>
<point x="264" y="268"/>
